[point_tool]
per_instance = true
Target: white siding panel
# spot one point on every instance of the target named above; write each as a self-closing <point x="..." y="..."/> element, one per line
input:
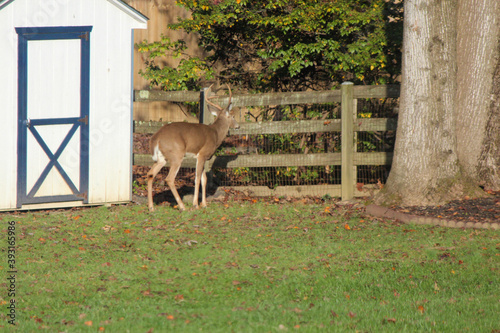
<point x="8" y="98"/>
<point x="99" y="110"/>
<point x="120" y="102"/>
<point x="110" y="146"/>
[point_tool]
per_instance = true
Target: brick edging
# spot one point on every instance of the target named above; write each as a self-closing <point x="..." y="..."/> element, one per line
<point x="379" y="211"/>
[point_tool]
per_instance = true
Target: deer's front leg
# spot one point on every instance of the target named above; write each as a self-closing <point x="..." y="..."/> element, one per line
<point x="204" y="188"/>
<point x="200" y="164"/>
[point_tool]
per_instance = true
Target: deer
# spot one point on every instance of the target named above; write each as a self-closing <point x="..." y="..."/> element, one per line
<point x="176" y="140"/>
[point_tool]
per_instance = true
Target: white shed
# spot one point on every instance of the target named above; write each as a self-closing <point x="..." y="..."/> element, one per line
<point x="66" y="102"/>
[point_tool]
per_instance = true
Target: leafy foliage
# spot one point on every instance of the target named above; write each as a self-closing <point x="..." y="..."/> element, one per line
<point x="284" y="44"/>
<point x="184" y="76"/>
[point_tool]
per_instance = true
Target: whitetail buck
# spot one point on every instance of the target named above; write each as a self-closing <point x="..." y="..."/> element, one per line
<point x="176" y="140"/>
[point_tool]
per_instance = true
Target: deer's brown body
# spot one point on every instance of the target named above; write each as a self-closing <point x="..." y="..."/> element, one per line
<point x="176" y="140"/>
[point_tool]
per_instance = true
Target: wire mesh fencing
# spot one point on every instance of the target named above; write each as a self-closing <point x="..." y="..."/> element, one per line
<point x="375" y="141"/>
<point x="287" y="143"/>
<point x="336" y="143"/>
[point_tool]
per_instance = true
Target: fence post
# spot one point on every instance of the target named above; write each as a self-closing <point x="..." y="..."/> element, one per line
<point x="206" y="117"/>
<point x="347" y="168"/>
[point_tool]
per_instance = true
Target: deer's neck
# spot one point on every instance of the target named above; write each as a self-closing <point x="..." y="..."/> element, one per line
<point x="221" y="126"/>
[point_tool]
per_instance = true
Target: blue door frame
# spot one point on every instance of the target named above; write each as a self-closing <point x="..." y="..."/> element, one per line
<point x="29" y="126"/>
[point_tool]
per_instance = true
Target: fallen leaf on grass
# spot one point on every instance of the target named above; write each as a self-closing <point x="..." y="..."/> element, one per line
<point x="389" y="320"/>
<point x="347" y="227"/>
<point x="88" y="323"/>
<point x="66" y="322"/>
<point x="351" y="314"/>
<point x="169" y="317"/>
<point x="421" y="309"/>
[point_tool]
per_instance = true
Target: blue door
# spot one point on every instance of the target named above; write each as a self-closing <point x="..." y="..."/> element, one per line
<point x="53" y="114"/>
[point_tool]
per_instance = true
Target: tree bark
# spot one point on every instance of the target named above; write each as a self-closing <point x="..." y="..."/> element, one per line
<point x="425" y="169"/>
<point x="478" y="121"/>
<point x="489" y="161"/>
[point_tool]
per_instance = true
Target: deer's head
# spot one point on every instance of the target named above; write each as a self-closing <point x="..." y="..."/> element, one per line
<point x="226" y="112"/>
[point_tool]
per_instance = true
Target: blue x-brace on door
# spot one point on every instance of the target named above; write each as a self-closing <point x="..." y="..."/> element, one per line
<point x="53" y="134"/>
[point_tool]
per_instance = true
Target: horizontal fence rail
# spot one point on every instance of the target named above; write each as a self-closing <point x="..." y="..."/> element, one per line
<point x="283" y="98"/>
<point x="348" y="125"/>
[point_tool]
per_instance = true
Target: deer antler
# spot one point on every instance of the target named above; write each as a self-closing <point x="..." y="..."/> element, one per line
<point x="218" y="107"/>
<point x="210" y="103"/>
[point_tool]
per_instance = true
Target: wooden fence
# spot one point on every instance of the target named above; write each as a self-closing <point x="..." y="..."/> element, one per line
<point x="349" y="125"/>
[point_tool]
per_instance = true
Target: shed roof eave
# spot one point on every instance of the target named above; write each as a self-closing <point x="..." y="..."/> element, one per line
<point x="131" y="11"/>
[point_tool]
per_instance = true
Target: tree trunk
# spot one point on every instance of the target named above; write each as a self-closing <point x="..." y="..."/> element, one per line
<point x="425" y="169"/>
<point x="478" y="118"/>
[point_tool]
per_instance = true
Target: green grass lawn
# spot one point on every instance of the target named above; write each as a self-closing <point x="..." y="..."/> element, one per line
<point x="247" y="266"/>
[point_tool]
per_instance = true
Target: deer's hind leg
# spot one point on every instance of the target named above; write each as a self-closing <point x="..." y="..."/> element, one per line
<point x="151" y="176"/>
